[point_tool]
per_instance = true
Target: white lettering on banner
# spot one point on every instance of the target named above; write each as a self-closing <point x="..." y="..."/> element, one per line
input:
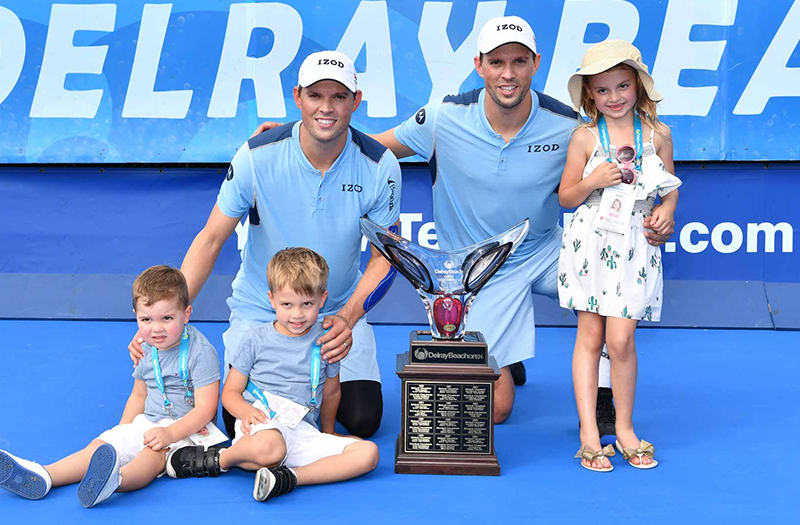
<point x="678" y="53"/>
<point x="787" y="235"/>
<point x="447" y="68"/>
<point x="51" y="99"/>
<point x="370" y="27"/>
<point x="736" y="237"/>
<point x="427" y="236"/>
<point x="12" y="51"/>
<point x="686" y="238"/>
<point x="407" y="221"/>
<point x="142" y="101"/>
<point x="693" y="237"/>
<point x="622" y="20"/>
<point x="772" y="78"/>
<point x="235" y="66"/>
<point x="241" y="233"/>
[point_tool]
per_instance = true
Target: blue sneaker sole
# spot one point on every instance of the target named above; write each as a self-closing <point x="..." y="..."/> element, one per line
<point x="19" y="480"/>
<point x="100" y="469"/>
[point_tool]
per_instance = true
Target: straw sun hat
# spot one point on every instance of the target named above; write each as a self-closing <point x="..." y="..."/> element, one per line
<point x="602" y="57"/>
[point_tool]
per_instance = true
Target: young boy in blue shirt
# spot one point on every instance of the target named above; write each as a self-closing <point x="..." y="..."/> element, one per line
<point x="275" y="363"/>
<point x="161" y="412"/>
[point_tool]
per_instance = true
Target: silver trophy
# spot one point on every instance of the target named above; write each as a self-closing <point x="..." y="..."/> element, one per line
<point x="446" y="280"/>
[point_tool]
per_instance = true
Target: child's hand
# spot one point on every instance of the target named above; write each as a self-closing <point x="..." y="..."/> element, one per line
<point x="158" y="438"/>
<point x="254" y="416"/>
<point x="662" y="220"/>
<point x="605" y="175"/>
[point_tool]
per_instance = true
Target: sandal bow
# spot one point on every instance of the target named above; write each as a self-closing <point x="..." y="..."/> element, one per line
<point x="590" y="455"/>
<point x="645" y="449"/>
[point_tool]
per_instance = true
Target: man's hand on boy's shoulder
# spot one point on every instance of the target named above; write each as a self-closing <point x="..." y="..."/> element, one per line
<point x="336" y="344"/>
<point x="158" y="438"/>
<point x="135" y="348"/>
<point x="254" y="416"/>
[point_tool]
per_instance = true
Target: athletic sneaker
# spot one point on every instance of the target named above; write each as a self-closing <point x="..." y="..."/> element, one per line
<point x="606" y="413"/>
<point x="193" y="461"/>
<point x="25" y="478"/>
<point x="518" y="373"/>
<point x="272" y="482"/>
<point x="102" y="478"/>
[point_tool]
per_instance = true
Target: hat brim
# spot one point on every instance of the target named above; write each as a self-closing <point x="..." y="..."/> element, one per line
<point x="510" y="41"/>
<point x="351" y="89"/>
<point x="575" y="83"/>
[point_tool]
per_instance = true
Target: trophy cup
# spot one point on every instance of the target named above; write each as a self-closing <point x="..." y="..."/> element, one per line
<point x="447" y="375"/>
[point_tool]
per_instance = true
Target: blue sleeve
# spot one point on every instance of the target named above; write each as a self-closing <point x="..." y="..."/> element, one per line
<point x="417" y="132"/>
<point x="332" y="370"/>
<point x="203" y="363"/>
<point x="236" y="196"/>
<point x="385" y="210"/>
<point x="245" y="354"/>
<point x="138" y="372"/>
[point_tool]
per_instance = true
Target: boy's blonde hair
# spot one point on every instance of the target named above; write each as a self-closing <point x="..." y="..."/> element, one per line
<point x="158" y="283"/>
<point x="645" y="106"/>
<point x="303" y="270"/>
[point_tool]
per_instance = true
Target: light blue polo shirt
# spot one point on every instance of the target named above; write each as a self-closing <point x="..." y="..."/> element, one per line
<point x="291" y="204"/>
<point x="483" y="186"/>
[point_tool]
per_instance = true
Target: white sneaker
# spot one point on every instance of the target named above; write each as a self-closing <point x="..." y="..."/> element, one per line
<point x="102" y="478"/>
<point x="26" y="478"/>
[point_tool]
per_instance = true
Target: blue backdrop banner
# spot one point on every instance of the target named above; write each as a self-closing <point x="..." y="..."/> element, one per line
<point x="132" y="81"/>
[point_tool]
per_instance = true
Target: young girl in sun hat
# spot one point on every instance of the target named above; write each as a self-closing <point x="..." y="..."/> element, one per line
<point x="607" y="270"/>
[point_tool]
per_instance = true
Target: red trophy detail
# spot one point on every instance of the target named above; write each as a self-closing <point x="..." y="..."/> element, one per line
<point x="447" y="315"/>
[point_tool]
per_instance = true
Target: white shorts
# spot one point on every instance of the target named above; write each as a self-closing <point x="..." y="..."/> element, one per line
<point x="305" y="444"/>
<point x="128" y="439"/>
<point x="360" y="364"/>
<point x="503" y="309"/>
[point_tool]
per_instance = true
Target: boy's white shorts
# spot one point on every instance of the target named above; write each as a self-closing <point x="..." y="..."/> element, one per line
<point x="305" y="444"/>
<point x="128" y="439"/>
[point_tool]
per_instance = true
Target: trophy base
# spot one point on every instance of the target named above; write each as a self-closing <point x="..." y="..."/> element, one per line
<point x="445" y="464"/>
<point x="447" y="422"/>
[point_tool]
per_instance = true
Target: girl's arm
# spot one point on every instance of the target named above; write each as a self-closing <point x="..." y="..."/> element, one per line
<point x="135" y="404"/>
<point x="574" y="188"/>
<point x="331" y="394"/>
<point x="662" y="221"/>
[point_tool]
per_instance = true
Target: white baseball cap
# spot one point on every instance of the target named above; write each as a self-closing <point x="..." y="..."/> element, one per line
<point x="328" y="65"/>
<point x="505" y="30"/>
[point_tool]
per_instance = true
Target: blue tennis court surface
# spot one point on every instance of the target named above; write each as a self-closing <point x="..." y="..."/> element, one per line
<point x="720" y="406"/>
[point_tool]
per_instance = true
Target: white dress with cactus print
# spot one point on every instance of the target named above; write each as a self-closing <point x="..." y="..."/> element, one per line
<point x="609" y="273"/>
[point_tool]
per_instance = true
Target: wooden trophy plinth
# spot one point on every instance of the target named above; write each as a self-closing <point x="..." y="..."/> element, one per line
<point x="447" y="422"/>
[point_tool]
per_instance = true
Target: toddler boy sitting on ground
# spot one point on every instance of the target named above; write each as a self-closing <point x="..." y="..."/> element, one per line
<point x="175" y="394"/>
<point x="276" y="389"/>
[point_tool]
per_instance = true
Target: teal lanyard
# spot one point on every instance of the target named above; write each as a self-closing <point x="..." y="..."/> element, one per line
<point x="316" y="364"/>
<point x="602" y="127"/>
<point x="183" y="359"/>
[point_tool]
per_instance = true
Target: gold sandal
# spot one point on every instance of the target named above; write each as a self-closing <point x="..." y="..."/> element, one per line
<point x="645" y="449"/>
<point x="591" y="455"/>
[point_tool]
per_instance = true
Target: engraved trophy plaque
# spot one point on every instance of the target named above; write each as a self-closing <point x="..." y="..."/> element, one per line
<point x="447" y="375"/>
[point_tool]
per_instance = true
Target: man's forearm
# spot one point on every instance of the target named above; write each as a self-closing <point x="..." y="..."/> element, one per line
<point x="377" y="269"/>
<point x="199" y="262"/>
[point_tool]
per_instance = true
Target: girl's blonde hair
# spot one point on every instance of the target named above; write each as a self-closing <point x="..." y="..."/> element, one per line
<point x="645" y="106"/>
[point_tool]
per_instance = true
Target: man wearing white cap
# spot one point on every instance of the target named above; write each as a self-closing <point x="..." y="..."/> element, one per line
<point x="497" y="158"/>
<point x="307" y="183"/>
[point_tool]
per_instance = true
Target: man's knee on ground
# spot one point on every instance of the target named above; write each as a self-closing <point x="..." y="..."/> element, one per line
<point x="501" y="413"/>
<point x="362" y="424"/>
<point x="269" y="448"/>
